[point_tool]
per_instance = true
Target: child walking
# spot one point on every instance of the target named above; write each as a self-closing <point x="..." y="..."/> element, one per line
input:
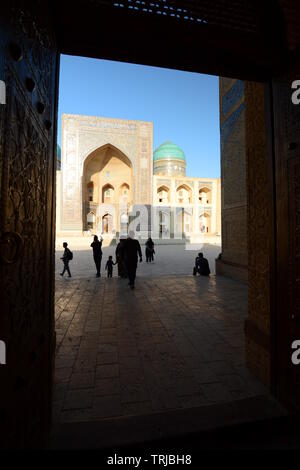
<point x="109" y="266"/>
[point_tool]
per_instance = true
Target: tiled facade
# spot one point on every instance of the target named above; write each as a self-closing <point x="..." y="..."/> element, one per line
<point x="83" y="135"/>
<point x="233" y="177"/>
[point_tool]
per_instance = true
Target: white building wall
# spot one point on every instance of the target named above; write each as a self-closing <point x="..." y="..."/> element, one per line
<point x="196" y="207"/>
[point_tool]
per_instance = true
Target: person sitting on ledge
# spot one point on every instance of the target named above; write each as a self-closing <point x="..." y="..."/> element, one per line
<point x="201" y="266"/>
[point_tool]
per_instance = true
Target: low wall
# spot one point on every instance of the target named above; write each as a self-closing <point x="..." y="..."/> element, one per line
<point x="232" y="270"/>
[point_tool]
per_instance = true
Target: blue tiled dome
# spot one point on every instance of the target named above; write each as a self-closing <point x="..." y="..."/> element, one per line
<point x="58" y="157"/>
<point x="58" y="151"/>
<point x="168" y="151"/>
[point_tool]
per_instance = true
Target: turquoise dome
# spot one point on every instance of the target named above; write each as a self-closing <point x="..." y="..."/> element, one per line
<point x="58" y="152"/>
<point x="168" y="151"/>
<point x="58" y="157"/>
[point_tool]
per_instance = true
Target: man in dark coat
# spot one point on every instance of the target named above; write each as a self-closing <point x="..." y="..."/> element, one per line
<point x="97" y="253"/>
<point x="201" y="265"/>
<point x="120" y="258"/>
<point x="132" y="249"/>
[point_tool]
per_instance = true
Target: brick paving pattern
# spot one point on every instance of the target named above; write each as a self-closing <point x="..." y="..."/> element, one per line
<point x="173" y="342"/>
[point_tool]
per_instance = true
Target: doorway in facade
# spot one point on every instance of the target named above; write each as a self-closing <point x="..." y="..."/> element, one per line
<point x="107" y="223"/>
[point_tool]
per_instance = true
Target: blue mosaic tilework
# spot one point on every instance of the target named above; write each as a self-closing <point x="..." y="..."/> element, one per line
<point x="233" y="96"/>
<point x="228" y="125"/>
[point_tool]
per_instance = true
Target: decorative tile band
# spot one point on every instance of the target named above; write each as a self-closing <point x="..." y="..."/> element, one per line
<point x="233" y="96"/>
<point x="228" y="125"/>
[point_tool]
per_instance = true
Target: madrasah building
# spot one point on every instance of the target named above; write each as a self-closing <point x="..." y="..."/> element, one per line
<point x="109" y="181"/>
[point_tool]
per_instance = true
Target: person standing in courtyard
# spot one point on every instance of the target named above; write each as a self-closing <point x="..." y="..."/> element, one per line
<point x="149" y="250"/>
<point x="132" y="249"/>
<point x="66" y="257"/>
<point x="97" y="253"/>
<point x="120" y="258"/>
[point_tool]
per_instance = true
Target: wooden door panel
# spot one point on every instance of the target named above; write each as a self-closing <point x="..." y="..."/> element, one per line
<point x="27" y="163"/>
<point x="287" y="164"/>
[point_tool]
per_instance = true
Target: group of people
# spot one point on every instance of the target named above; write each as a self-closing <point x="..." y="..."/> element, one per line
<point x="127" y="253"/>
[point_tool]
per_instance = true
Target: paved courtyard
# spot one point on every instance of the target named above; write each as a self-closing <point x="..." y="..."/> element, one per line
<point x="168" y="259"/>
<point x="174" y="342"/>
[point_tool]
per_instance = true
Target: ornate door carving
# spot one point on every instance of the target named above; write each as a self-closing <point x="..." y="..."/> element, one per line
<point x="28" y="65"/>
<point x="287" y="164"/>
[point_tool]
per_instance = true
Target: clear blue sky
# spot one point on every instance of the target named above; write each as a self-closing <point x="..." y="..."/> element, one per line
<point x="183" y="106"/>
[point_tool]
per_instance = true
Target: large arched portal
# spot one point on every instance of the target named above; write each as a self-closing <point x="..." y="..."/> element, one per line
<point x="108" y="171"/>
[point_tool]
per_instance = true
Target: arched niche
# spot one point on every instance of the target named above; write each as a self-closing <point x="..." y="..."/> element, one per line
<point x="124" y="194"/>
<point x="164" y="218"/>
<point x="184" y="194"/>
<point x="204" y="223"/>
<point x="108" y="194"/>
<point x="90" y="219"/>
<point x="184" y="221"/>
<point x="163" y="195"/>
<point x="204" y="195"/>
<point x="107" y="224"/>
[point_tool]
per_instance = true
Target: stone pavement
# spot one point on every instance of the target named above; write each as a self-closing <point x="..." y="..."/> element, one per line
<point x="174" y="342"/>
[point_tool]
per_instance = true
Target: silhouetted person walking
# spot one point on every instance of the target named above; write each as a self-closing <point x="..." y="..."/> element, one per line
<point x="97" y="253"/>
<point x="149" y="250"/>
<point x="109" y="266"/>
<point x="120" y="258"/>
<point x="132" y="249"/>
<point x="66" y="257"/>
<point x="201" y="266"/>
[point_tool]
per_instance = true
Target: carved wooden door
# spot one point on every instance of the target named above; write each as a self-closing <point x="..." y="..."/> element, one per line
<point x="28" y="67"/>
<point x="287" y="169"/>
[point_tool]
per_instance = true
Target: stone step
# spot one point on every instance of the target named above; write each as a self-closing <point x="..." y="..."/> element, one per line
<point x="249" y="422"/>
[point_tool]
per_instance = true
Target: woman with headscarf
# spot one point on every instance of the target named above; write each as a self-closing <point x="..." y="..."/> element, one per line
<point x="149" y="250"/>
